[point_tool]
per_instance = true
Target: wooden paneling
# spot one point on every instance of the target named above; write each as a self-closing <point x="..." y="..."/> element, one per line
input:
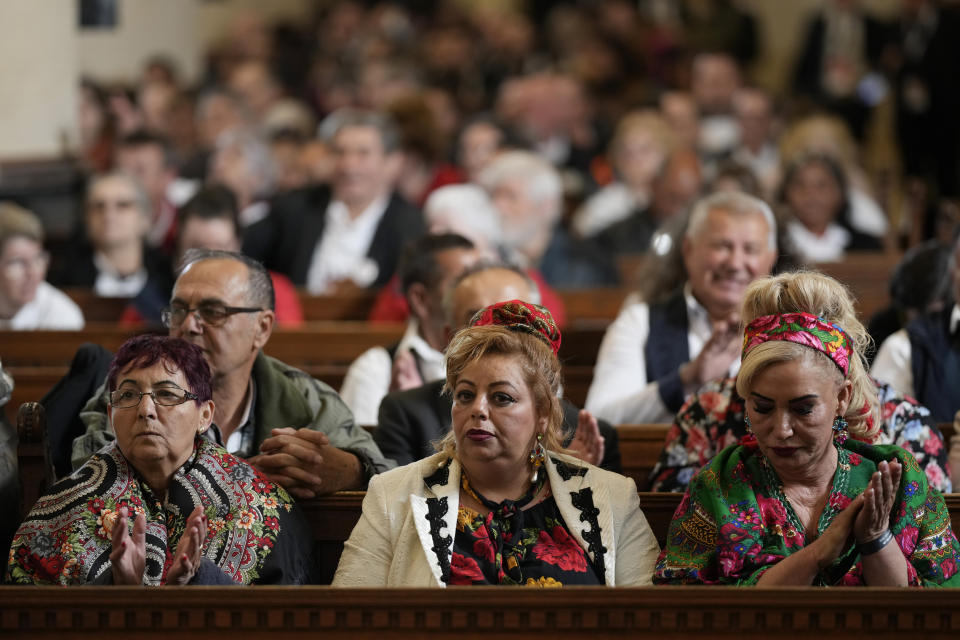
<point x="477" y="613"/>
<point x="640" y="447"/>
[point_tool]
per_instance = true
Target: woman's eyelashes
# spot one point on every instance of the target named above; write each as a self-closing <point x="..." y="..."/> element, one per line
<point x="799" y="409"/>
<point x="502" y="398"/>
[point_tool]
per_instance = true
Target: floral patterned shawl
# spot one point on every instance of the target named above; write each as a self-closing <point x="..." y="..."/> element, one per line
<point x="734" y="522"/>
<point x="255" y="535"/>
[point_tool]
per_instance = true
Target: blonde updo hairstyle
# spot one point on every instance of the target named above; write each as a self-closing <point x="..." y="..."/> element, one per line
<point x="815" y="293"/>
<point x="540" y="370"/>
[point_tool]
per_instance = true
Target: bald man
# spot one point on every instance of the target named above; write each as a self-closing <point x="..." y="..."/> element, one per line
<point x="409" y="421"/>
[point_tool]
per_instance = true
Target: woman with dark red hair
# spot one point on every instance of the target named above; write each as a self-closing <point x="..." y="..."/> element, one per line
<point x="162" y="504"/>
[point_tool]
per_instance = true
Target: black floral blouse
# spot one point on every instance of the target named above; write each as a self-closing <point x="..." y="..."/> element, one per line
<point x="487" y="549"/>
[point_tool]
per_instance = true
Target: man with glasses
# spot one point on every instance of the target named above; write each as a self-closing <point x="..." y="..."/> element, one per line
<point x="296" y="429"/>
<point x="27" y="301"/>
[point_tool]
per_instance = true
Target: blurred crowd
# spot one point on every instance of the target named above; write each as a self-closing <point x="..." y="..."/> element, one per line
<point x="575" y="132"/>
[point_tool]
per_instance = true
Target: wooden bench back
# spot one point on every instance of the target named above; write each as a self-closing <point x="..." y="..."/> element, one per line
<point x="229" y="613"/>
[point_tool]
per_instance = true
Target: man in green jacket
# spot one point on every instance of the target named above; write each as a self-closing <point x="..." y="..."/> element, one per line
<point x="295" y="429"/>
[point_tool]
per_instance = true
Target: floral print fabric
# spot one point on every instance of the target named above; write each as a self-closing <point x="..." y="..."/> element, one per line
<point x="66" y="538"/>
<point x="713" y="419"/>
<point x="734" y="522"/>
<point x="804" y="329"/>
<point x="542" y="554"/>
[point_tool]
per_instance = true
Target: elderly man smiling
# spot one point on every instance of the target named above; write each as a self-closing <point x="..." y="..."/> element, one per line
<point x="295" y="429"/>
<point x="656" y="354"/>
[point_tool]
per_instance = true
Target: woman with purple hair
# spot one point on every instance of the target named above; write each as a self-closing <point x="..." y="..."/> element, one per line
<point x="162" y="504"/>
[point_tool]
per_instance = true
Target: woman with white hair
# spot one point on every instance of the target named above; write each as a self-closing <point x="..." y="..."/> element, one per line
<point x="528" y="192"/>
<point x="465" y="209"/>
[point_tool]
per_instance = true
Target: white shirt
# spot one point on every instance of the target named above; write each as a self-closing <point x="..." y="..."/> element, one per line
<point x="613" y="203"/>
<point x="111" y="285"/>
<point x="620" y="392"/>
<point x="893" y="363"/>
<point x="342" y="251"/>
<point x="811" y="247"/>
<point x="369" y="376"/>
<point x="50" y="309"/>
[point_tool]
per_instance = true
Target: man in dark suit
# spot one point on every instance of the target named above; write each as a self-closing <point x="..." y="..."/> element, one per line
<point x="409" y="421"/>
<point x="354" y="229"/>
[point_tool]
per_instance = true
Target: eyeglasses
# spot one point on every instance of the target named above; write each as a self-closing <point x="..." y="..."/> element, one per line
<point x="213" y="314"/>
<point x="167" y="397"/>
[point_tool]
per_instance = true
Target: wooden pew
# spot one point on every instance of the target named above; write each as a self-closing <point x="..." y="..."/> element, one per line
<point x="640" y="447"/>
<point x="352" y="305"/>
<point x="97" y="308"/>
<point x="867" y="275"/>
<point x="600" y="305"/>
<point x="315" y="342"/>
<point x="572" y="613"/>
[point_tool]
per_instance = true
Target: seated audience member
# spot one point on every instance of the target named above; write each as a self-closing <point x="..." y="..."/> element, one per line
<point x="714" y="80"/>
<point x="816" y="203"/>
<point x="675" y="186"/>
<point x="827" y="135"/>
<point x="465" y="209"/>
<point x="115" y="260"/>
<point x="757" y="148"/>
<point x="923" y="359"/>
<point x="410" y="421"/>
<point x="192" y="503"/>
<point x="149" y="158"/>
<point x="479" y="142"/>
<point x="683" y="115"/>
<point x="290" y="426"/>
<point x="27" y="301"/>
<point x="243" y="162"/>
<point x="427" y="267"/>
<point x="919" y="285"/>
<point x="659" y="351"/>
<point x="423" y="146"/>
<point x="351" y="232"/>
<point x="713" y="419"/>
<point x="501" y="490"/>
<point x="640" y="147"/>
<point x="210" y="220"/>
<point x="528" y="193"/>
<point x="806" y="501"/>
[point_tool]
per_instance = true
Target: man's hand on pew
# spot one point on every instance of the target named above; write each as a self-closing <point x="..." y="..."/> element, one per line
<point x="304" y="463"/>
<point x="587" y="443"/>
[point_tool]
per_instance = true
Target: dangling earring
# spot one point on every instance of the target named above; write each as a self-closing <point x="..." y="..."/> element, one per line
<point x="840" y="429"/>
<point x="537" y="456"/>
<point x="746" y="421"/>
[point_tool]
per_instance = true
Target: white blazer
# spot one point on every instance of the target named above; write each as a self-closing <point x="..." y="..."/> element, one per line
<point x="404" y="537"/>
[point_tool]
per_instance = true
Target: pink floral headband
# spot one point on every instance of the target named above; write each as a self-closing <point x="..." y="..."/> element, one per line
<point x="801" y="328"/>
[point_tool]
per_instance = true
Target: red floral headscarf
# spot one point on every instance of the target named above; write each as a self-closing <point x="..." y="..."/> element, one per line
<point x="517" y="315"/>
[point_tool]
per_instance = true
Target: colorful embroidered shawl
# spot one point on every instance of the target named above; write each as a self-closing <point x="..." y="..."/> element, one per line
<point x="734" y="522"/>
<point x="66" y="538"/>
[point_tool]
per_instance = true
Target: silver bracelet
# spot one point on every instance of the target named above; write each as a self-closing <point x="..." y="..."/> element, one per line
<point x="878" y="543"/>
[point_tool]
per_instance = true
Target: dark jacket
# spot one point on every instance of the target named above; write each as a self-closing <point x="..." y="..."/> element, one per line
<point x="286" y="239"/>
<point x="411" y="420"/>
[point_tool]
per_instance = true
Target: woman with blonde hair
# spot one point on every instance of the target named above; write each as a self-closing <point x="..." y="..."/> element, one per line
<point x="803" y="500"/>
<point x="501" y="502"/>
<point x="641" y="145"/>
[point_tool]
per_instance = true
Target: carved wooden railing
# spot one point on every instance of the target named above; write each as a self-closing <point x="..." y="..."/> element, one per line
<point x="237" y="613"/>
